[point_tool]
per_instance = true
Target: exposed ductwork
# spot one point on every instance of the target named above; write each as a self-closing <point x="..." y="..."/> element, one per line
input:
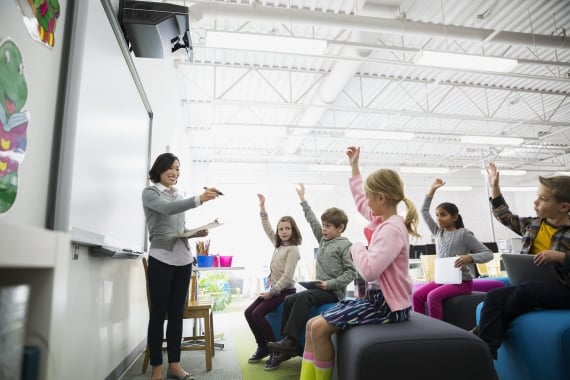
<point x="372" y="24"/>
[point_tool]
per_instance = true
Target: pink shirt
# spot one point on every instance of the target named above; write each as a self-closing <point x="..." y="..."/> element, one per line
<point x="385" y="262"/>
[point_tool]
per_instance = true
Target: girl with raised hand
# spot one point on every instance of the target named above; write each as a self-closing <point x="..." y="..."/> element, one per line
<point x="384" y="266"/>
<point x="452" y="239"/>
<point x="284" y="261"/>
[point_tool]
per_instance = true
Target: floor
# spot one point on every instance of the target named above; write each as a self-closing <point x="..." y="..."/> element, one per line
<point x="224" y="363"/>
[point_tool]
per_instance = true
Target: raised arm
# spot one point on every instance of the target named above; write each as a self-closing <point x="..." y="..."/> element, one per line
<point x="493" y="179"/>
<point x="353" y="153"/>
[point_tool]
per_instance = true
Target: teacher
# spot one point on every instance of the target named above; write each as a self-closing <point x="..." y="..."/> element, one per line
<point x="170" y="261"/>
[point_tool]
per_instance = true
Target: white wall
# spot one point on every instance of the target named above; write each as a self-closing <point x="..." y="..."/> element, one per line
<point x="92" y="311"/>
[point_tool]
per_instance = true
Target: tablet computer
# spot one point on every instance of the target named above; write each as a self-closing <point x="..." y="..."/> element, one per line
<point x="309" y="284"/>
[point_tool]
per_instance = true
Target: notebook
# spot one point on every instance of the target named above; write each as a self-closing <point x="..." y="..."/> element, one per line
<point x="445" y="271"/>
<point x="521" y="268"/>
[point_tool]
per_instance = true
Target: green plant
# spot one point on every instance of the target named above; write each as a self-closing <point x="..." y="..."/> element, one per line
<point x="215" y="285"/>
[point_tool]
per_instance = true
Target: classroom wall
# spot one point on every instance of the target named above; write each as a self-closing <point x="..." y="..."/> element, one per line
<point x="87" y="314"/>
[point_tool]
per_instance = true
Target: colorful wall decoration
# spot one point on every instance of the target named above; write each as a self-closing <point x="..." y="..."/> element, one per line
<point x="13" y="120"/>
<point x="40" y="17"/>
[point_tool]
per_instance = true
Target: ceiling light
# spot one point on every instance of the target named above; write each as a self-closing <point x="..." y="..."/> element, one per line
<point x="264" y="42"/>
<point x="562" y="173"/>
<point x="455" y="188"/>
<point x="237" y="166"/>
<point x="330" y="168"/>
<point x="465" y="61"/>
<point x="492" y="140"/>
<point x="378" y="134"/>
<point x="423" y="170"/>
<point x="519" y="189"/>
<point x="507" y="172"/>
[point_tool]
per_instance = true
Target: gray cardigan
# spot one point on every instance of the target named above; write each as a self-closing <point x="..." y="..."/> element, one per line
<point x="165" y="218"/>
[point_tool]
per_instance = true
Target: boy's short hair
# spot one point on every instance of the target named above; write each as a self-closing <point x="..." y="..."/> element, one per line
<point x="336" y="217"/>
<point x="559" y="186"/>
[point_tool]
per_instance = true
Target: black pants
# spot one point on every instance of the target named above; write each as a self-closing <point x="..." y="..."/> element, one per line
<point x="503" y="305"/>
<point x="168" y="289"/>
<point x="296" y="309"/>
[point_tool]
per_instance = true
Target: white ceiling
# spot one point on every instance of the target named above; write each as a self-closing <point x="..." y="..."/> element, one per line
<point x="246" y="108"/>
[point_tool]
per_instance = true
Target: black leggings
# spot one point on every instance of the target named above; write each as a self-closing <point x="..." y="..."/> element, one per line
<point x="168" y="289"/>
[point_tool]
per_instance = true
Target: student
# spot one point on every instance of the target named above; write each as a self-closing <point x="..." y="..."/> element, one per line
<point x="334" y="269"/>
<point x="169" y="261"/>
<point x="547" y="236"/>
<point x="451" y="240"/>
<point x="384" y="265"/>
<point x="283" y="264"/>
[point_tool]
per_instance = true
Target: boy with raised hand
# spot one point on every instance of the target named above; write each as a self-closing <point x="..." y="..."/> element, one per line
<point x="547" y="237"/>
<point x="334" y="269"/>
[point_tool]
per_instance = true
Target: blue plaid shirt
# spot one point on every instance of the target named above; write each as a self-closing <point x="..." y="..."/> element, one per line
<point x="527" y="227"/>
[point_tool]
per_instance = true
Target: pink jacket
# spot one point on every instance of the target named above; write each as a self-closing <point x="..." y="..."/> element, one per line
<point x="385" y="262"/>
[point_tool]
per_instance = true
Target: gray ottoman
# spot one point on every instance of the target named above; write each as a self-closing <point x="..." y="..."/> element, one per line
<point x="421" y="348"/>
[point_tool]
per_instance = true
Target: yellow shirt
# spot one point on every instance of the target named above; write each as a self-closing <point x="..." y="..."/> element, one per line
<point x="543" y="238"/>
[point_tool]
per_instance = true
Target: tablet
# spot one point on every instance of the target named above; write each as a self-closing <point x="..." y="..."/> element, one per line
<point x="309" y="284"/>
<point x="445" y="271"/>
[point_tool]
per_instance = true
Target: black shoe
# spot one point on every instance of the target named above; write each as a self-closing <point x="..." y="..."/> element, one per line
<point x="272" y="363"/>
<point x="259" y="354"/>
<point x="287" y="344"/>
<point x="283" y="356"/>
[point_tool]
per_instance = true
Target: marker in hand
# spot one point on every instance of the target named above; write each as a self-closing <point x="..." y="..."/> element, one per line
<point x="217" y="191"/>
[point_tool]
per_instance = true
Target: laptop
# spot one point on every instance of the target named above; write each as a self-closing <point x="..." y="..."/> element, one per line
<point x="521" y="268"/>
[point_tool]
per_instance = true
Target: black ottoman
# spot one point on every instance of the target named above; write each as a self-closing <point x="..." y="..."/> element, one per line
<point x="461" y="310"/>
<point x="421" y="348"/>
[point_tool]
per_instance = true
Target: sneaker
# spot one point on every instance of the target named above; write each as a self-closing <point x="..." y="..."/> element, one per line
<point x="259" y="354"/>
<point x="272" y="363"/>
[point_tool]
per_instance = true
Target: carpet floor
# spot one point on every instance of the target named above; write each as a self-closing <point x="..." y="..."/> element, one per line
<point x="229" y="363"/>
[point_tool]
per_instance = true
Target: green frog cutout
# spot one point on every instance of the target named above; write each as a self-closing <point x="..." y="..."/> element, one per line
<point x="13" y="120"/>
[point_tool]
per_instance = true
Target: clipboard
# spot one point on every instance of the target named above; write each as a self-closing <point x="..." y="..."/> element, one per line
<point x="192" y="232"/>
<point x="445" y="271"/>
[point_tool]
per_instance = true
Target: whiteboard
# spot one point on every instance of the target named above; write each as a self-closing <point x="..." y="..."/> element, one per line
<point x="104" y="157"/>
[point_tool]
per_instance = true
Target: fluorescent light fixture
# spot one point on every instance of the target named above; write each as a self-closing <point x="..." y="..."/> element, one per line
<point x="492" y="140"/>
<point x="505" y="172"/>
<point x="465" y="61"/>
<point x="264" y="42"/>
<point x="423" y="170"/>
<point x="455" y="188"/>
<point x="236" y="166"/>
<point x="330" y="168"/>
<point x="563" y="173"/>
<point x="378" y="134"/>
<point x="520" y="189"/>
